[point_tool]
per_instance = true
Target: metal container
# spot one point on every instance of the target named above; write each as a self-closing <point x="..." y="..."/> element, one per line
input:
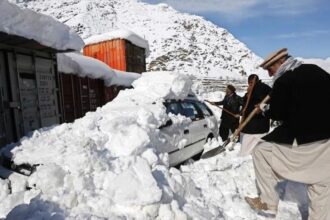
<point x="29" y="93"/>
<point x="119" y="54"/>
<point x="80" y="95"/>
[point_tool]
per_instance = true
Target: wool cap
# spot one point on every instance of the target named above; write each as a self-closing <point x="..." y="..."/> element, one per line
<point x="273" y="57"/>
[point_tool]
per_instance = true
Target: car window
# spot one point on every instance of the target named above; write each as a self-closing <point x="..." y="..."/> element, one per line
<point x="173" y="108"/>
<point x="206" y="111"/>
<point x="189" y="105"/>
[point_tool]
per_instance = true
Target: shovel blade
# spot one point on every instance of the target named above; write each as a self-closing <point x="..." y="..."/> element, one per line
<point x="215" y="151"/>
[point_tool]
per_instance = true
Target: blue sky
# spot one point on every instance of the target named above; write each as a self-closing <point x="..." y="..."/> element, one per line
<point x="303" y="26"/>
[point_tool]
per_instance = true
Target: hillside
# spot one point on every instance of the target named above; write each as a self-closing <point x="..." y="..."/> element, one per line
<point x="178" y="41"/>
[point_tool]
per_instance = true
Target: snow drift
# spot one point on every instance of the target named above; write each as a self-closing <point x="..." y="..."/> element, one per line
<point x="107" y="166"/>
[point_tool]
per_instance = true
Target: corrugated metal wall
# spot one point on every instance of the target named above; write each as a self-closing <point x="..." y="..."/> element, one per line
<point x="80" y="95"/>
<point x="7" y="133"/>
<point x="119" y="54"/>
<point x="135" y="58"/>
<point x="111" y="52"/>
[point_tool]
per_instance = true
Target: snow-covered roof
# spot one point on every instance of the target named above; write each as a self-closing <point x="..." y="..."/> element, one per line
<point x="74" y="63"/>
<point x="35" y="26"/>
<point x="119" y="34"/>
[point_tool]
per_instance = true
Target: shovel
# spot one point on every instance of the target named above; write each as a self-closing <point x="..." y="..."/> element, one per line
<point x="234" y="137"/>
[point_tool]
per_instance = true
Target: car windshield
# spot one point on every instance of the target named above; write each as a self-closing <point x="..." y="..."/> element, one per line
<point x="173" y="108"/>
<point x="206" y="111"/>
<point x="189" y="107"/>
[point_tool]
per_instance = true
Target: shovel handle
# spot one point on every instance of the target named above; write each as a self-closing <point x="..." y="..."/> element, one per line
<point x="251" y="115"/>
<point x="222" y="148"/>
<point x="223" y="109"/>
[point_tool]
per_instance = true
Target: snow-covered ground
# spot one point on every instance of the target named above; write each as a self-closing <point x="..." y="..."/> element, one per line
<point x="107" y="165"/>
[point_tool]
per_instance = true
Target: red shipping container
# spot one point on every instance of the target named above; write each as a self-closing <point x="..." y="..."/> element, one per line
<point x="119" y="54"/>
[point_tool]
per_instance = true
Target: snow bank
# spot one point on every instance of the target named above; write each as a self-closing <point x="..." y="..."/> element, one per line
<point x="73" y="63"/>
<point x="41" y="28"/>
<point x="105" y="164"/>
<point x="108" y="165"/>
<point x="119" y="34"/>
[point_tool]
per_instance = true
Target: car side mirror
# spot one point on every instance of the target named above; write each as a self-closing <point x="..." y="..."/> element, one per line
<point x="168" y="123"/>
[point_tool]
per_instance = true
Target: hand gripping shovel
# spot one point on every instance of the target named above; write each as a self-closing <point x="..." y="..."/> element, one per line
<point x="233" y="138"/>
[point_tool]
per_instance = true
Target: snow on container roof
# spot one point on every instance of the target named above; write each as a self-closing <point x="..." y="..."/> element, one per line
<point x="119" y="34"/>
<point x="38" y="27"/>
<point x="74" y="63"/>
<point x="123" y="78"/>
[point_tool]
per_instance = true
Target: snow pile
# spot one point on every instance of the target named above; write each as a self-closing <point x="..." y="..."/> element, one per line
<point x="108" y="165"/>
<point x="104" y="165"/>
<point x="119" y="34"/>
<point x="41" y="28"/>
<point x="73" y="63"/>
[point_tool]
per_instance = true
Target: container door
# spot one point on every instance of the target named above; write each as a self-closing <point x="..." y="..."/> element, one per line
<point x="47" y="92"/>
<point x="3" y="140"/>
<point x="33" y="92"/>
<point x="28" y="93"/>
<point x="84" y="95"/>
<point x="68" y="82"/>
<point x="93" y="95"/>
<point x="23" y="88"/>
<point x="8" y="133"/>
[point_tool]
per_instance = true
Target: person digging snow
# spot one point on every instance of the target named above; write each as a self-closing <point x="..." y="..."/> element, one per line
<point x="232" y="103"/>
<point x="258" y="126"/>
<point x="299" y="149"/>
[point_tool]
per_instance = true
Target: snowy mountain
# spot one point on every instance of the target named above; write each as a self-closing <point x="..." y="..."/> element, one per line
<point x="178" y="41"/>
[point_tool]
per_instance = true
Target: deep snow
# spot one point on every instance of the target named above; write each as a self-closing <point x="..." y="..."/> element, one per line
<point x="107" y="165"/>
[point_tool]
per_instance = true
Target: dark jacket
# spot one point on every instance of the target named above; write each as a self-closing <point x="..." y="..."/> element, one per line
<point x="259" y="123"/>
<point x="301" y="100"/>
<point x="231" y="103"/>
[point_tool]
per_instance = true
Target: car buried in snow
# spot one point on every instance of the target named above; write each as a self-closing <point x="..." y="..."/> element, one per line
<point x="187" y="141"/>
<point x="182" y="141"/>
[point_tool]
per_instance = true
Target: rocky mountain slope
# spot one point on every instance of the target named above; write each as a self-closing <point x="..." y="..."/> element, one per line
<point x="178" y="41"/>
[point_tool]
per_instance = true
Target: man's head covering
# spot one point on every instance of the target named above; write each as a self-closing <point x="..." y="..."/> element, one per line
<point x="253" y="76"/>
<point x="231" y="88"/>
<point x="274" y="57"/>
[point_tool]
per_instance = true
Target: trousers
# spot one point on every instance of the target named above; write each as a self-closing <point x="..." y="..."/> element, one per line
<point x="307" y="163"/>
